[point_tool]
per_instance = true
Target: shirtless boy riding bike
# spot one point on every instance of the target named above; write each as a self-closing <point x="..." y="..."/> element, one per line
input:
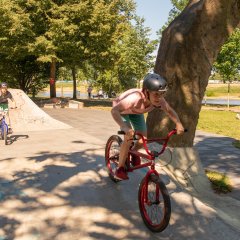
<point x="128" y="111"/>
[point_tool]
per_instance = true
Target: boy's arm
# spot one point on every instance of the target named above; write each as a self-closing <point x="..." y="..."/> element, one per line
<point x="173" y="116"/>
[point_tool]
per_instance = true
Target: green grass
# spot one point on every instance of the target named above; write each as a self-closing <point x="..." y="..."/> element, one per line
<point x="219" y="122"/>
<point x="219" y="181"/>
<point x="218" y="90"/>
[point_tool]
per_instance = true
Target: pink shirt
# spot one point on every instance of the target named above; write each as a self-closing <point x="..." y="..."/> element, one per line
<point x="132" y="102"/>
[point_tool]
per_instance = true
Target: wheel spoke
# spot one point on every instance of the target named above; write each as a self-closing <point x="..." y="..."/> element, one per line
<point x="155" y="207"/>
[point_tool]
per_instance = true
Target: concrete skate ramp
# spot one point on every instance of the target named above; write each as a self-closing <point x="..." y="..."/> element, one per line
<point x="29" y="117"/>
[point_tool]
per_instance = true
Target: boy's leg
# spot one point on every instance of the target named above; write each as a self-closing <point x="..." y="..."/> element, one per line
<point x="7" y="117"/>
<point x="139" y="124"/>
<point x="8" y="121"/>
<point x="137" y="121"/>
<point x="125" y="145"/>
<point x="121" y="174"/>
<point x="4" y="108"/>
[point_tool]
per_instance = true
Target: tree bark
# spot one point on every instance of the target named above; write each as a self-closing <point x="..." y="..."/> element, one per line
<point x="53" y="78"/>
<point x="188" y="48"/>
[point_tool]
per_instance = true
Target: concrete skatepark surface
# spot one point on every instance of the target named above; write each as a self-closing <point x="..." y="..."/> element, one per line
<point x="54" y="185"/>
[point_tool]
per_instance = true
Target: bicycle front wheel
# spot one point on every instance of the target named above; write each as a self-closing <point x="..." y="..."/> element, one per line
<point x="112" y="151"/>
<point x="154" y="203"/>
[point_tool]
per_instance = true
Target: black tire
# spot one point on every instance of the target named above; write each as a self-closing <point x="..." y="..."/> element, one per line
<point x="112" y="150"/>
<point x="156" y="213"/>
<point x="4" y="134"/>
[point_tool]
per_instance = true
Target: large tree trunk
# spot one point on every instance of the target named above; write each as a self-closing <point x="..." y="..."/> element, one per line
<point x="189" y="46"/>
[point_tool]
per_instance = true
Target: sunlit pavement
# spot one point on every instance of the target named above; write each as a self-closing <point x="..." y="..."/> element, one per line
<point x="54" y="186"/>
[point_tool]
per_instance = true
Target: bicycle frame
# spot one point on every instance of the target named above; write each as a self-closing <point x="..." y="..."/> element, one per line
<point x="3" y="122"/>
<point x="150" y="155"/>
<point x="153" y="197"/>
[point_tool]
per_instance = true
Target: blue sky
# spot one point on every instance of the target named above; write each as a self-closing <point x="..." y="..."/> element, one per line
<point x="155" y="13"/>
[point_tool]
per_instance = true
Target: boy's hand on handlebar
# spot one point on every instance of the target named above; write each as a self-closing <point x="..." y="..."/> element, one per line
<point x="180" y="129"/>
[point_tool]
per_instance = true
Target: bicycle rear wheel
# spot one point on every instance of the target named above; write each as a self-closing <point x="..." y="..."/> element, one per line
<point x="154" y="203"/>
<point x="112" y="151"/>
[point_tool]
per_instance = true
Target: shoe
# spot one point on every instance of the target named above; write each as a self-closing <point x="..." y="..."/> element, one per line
<point x="10" y="131"/>
<point x="121" y="174"/>
<point x="136" y="160"/>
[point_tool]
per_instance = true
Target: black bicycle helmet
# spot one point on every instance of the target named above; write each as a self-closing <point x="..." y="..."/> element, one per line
<point x="4" y="84"/>
<point x="154" y="82"/>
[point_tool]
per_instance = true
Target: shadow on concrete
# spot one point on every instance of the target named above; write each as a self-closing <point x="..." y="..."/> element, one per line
<point x="95" y="190"/>
<point x="217" y="153"/>
<point x="14" y="137"/>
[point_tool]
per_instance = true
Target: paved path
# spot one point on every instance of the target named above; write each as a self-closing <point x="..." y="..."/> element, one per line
<point x="53" y="186"/>
<point x="218" y="153"/>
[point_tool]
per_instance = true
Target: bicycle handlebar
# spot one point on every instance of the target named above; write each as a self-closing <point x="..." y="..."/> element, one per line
<point x="145" y="141"/>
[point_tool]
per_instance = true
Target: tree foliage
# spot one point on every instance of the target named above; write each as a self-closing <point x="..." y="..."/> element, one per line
<point x="228" y="60"/>
<point x="99" y="34"/>
<point x="133" y="58"/>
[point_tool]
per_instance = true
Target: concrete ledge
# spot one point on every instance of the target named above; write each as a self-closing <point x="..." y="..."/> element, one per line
<point x="75" y="104"/>
<point x="49" y="105"/>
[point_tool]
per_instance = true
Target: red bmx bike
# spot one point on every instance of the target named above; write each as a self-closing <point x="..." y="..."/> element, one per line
<point x="153" y="198"/>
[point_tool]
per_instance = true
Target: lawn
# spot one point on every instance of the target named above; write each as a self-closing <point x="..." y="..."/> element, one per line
<point x="219" y="122"/>
<point x="221" y="90"/>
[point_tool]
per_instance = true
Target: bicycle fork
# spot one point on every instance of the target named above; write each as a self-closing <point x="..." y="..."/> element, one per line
<point x="152" y="173"/>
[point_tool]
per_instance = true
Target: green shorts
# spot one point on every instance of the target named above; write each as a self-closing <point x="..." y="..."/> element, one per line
<point x="4" y="107"/>
<point x="137" y="121"/>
